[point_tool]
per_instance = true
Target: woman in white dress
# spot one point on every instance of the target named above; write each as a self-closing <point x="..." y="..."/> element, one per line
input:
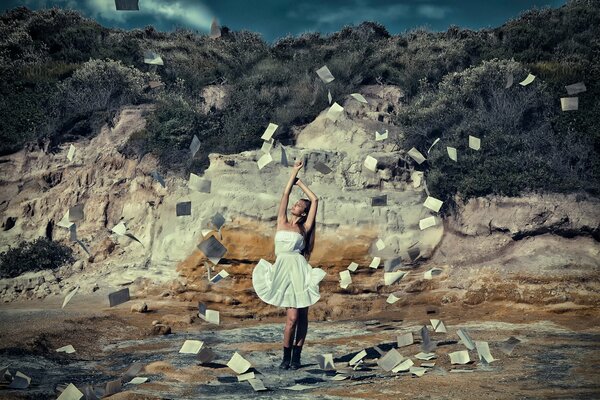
<point x="291" y="282"/>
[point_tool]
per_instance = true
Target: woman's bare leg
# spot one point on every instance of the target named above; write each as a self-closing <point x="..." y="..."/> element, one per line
<point x="290" y="327"/>
<point x="301" y="326"/>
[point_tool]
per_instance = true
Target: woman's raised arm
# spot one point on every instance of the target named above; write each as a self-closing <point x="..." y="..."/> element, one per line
<point x="312" y="212"/>
<point x="285" y="198"/>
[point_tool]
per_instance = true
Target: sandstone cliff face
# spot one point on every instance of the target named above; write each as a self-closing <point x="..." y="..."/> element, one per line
<point x="491" y="249"/>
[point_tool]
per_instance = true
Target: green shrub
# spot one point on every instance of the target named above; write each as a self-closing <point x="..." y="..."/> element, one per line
<point x="37" y="255"/>
<point x="521" y="149"/>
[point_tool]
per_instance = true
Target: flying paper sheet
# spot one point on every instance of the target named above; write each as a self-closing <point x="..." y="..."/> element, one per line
<point x="264" y="160"/>
<point x="215" y="30"/>
<point x="380" y="244"/>
<point x="345" y="279"/>
<point x="427" y="222"/>
<point x="483" y="350"/>
<point x="325" y="74"/>
<point x="218" y="220"/>
<point x="381" y="136"/>
<point x="73" y="233"/>
<point x="433" y="204"/>
<point x="191" y="347"/>
<point x="362" y="354"/>
<point x="298" y="387"/>
<point x="183" y="208"/>
<point x="425" y="356"/>
<point x="268" y="134"/>
<point x="465" y="338"/>
<point x="137" y="380"/>
<point x="379" y="201"/>
<point x="353" y="266"/>
<point x="70" y="393"/>
<point x="71" y="153"/>
<point x="403" y="366"/>
<point x="206" y="355"/>
<point x="391" y="359"/>
<point x="219" y="276"/>
<point x="133" y="370"/>
<point x="431" y="273"/>
<point x="459" y="357"/>
<point x="20" y="381"/>
<point x="416" y="155"/>
<point x="509" y="81"/>
<point x="508" y="346"/>
<point x="339" y="377"/>
<point x="257" y="384"/>
<point x="575" y="88"/>
<point x="120" y="229"/>
<point x="284" y="160"/>
<point x="527" y="80"/>
<point x="64" y="222"/>
<point x="392" y="264"/>
<point x="118" y="297"/>
<point x="66" y="349"/>
<point x="113" y="387"/>
<point x="371" y="163"/>
<point x="326" y="362"/>
<point x="392" y="299"/>
<point x="334" y="112"/>
<point x="127" y="5"/>
<point x="212" y="248"/>
<point x="406" y="339"/>
<point x="359" y="97"/>
<point x="416" y="177"/>
<point x="414" y="253"/>
<point x="198" y="184"/>
<point x="426" y="343"/>
<point x="389" y="278"/>
<point x="159" y="178"/>
<point x="418" y="371"/>
<point x="433" y="144"/>
<point x="329" y="98"/>
<point x="267" y="146"/>
<point x="246" y="376"/>
<point x="69" y="296"/>
<point x="238" y="364"/>
<point x="210" y="316"/>
<point x="428" y="364"/>
<point x="194" y="146"/>
<point x="76" y="213"/>
<point x="322" y="168"/>
<point x="375" y="263"/>
<point x="569" y="103"/>
<point x="452" y="153"/>
<point x="438" y="326"/>
<point x="152" y="58"/>
<point x="474" y="142"/>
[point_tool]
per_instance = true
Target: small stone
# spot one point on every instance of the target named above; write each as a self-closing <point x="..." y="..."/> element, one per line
<point x="166" y="293"/>
<point x="139" y="307"/>
<point x="161" y="329"/>
<point x="155" y="322"/>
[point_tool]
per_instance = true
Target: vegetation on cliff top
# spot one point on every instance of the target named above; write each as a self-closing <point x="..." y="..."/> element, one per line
<point x="61" y="84"/>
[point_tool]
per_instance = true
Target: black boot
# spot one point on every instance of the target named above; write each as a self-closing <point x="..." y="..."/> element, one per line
<point x="296" y="350"/>
<point x="287" y="357"/>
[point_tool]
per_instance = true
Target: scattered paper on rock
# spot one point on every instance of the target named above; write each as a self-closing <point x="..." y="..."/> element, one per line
<point x="392" y="299"/>
<point x="326" y="362"/>
<point x="238" y="364"/>
<point x="530" y="78"/>
<point x="459" y="357"/>
<point x="406" y="339"/>
<point x="390" y="360"/>
<point x="375" y="263"/>
<point x="438" y="325"/>
<point x="334" y="112"/>
<point x="465" y="338"/>
<point x="433" y="204"/>
<point x="381" y="136"/>
<point x="66" y="349"/>
<point x="70" y="393"/>
<point x="345" y="279"/>
<point x="359" y="97"/>
<point x="353" y="266"/>
<point x="432" y="272"/>
<point x="389" y="278"/>
<point x="483" y="350"/>
<point x="427" y="223"/>
<point x="191" y="347"/>
<point x="403" y="366"/>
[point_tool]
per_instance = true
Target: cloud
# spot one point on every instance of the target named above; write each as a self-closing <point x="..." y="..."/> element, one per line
<point x="190" y="14"/>
<point x="432" y="12"/>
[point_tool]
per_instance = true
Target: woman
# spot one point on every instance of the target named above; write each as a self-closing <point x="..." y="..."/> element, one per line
<point x="291" y="282"/>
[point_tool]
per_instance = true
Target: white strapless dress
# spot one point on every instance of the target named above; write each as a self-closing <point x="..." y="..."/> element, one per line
<point x="290" y="281"/>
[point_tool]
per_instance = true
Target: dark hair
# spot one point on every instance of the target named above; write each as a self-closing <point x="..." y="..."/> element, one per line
<point x="309" y="237"/>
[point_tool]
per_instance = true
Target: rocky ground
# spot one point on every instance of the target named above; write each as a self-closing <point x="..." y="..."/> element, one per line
<point x="558" y="356"/>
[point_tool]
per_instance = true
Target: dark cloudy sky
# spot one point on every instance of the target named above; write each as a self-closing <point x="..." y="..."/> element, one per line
<point x="277" y="18"/>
